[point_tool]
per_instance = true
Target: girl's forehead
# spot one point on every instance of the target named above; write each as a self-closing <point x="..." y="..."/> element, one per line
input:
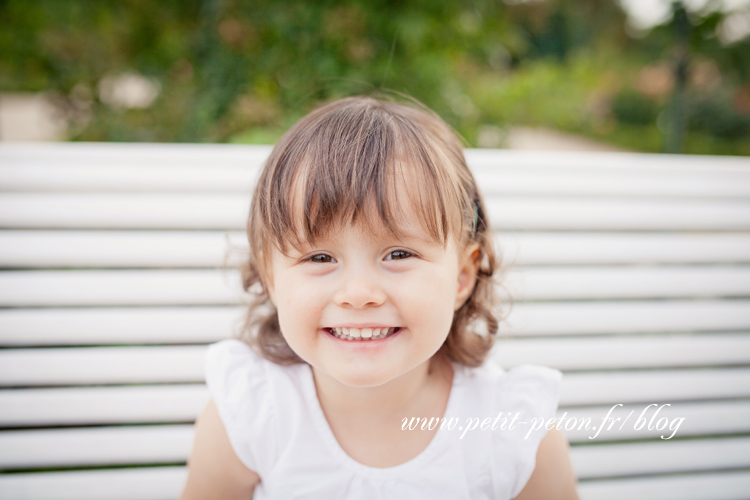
<point x="398" y="200"/>
<point x="369" y="224"/>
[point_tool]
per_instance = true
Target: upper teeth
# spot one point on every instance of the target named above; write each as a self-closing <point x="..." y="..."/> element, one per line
<point x="362" y="333"/>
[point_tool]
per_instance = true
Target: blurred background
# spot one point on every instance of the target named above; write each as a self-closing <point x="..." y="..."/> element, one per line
<point x="639" y="75"/>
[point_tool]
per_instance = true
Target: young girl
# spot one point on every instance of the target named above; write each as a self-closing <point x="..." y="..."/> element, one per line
<point x="372" y="264"/>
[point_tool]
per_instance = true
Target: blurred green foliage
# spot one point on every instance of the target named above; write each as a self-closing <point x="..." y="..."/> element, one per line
<point x="631" y="106"/>
<point x="242" y="71"/>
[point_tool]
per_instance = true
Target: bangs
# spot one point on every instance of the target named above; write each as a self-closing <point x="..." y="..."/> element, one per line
<point x="359" y="163"/>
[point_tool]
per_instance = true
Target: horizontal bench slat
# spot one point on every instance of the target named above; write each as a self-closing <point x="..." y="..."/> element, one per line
<point x="539" y="213"/>
<point x="608" y="317"/>
<point x="656" y="351"/>
<point x="700" y="419"/>
<point x="622" y="248"/>
<point x="711" y="486"/>
<point x="122" y="211"/>
<point x="628" y="282"/>
<point x="495" y="179"/>
<point x="149" y="444"/>
<point x="100" y="326"/>
<point x="152" y="154"/>
<point x="603" y="161"/>
<point x="168" y="325"/>
<point x="129" y="178"/>
<point x="102" y="405"/>
<point x="229" y="211"/>
<point x="61" y="153"/>
<point x="146" y="444"/>
<point x="101" y="365"/>
<point x="214" y="287"/>
<point x="141" y="483"/>
<point x="632" y="459"/>
<point x="114" y="365"/>
<point x="181" y="249"/>
<point x="120" y="288"/>
<point x="590" y="388"/>
<point x="182" y="403"/>
<point x="166" y="483"/>
<point x="131" y="249"/>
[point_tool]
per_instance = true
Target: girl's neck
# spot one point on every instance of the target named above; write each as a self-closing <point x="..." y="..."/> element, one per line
<point x="409" y="392"/>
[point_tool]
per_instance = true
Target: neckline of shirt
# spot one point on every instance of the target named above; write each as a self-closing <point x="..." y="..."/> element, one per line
<point x="326" y="434"/>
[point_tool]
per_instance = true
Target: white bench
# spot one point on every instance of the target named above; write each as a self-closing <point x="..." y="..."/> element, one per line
<point x="631" y="274"/>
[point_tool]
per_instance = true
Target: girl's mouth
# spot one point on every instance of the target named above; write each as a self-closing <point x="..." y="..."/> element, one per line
<point x="362" y="334"/>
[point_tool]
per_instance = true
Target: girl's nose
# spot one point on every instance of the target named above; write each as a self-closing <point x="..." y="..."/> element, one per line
<point x="359" y="289"/>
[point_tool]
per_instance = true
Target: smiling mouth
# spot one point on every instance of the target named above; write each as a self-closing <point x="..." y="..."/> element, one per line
<point x="362" y="334"/>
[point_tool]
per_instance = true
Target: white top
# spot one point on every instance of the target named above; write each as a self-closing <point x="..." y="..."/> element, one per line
<point x="277" y="429"/>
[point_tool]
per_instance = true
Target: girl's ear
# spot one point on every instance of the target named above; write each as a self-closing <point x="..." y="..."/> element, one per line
<point x="468" y="266"/>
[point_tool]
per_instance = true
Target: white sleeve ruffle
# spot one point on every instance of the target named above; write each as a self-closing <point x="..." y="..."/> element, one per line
<point x="532" y="392"/>
<point x="238" y="381"/>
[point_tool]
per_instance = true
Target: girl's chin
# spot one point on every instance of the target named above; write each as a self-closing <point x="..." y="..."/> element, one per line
<point x="364" y="380"/>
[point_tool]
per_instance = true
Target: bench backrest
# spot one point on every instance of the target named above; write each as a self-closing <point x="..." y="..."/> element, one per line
<point x="629" y="272"/>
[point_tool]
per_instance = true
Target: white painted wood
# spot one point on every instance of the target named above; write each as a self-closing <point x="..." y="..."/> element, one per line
<point x="214" y="287"/>
<point x="202" y="154"/>
<point x="127" y="249"/>
<point x="229" y="211"/>
<point x="732" y="485"/>
<point x="95" y="177"/>
<point x="620" y="317"/>
<point x="113" y="365"/>
<point x="141" y="483"/>
<point x="496" y="179"/>
<point x="590" y="235"/>
<point x="111" y="154"/>
<point x="507" y="180"/>
<point x="149" y="166"/>
<point x="123" y="211"/>
<point x="182" y="403"/>
<point x="120" y="288"/>
<point x="148" y="444"/>
<point x="646" y="386"/>
<point x="201" y="324"/>
<point x="102" y="405"/>
<point x="101" y="365"/>
<point x="662" y="420"/>
<point x="653" y="351"/>
<point x="119" y="325"/>
<point x="145" y="444"/>
<point x="181" y="249"/>
<point x="165" y="483"/>
<point x="614" y="214"/>
<point x="519" y="248"/>
<point x="632" y="162"/>
<point x="627" y="282"/>
<point x="658" y="457"/>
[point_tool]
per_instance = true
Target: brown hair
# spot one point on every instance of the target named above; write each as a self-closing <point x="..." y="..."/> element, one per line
<point x="350" y="155"/>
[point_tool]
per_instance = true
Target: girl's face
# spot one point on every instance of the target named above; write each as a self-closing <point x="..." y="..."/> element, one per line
<point x="367" y="284"/>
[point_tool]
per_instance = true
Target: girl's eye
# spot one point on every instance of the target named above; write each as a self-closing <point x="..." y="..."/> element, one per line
<point x="321" y="258"/>
<point x="398" y="255"/>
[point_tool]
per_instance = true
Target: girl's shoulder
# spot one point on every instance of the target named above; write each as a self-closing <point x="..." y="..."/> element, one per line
<point x="234" y="370"/>
<point x="514" y="406"/>
<point x="528" y="388"/>
<point x="245" y="388"/>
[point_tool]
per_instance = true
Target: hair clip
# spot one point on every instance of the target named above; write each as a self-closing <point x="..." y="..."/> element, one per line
<point x="477" y="216"/>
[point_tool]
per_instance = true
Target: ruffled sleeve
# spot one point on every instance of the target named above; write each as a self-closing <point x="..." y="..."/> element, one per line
<point x="239" y="385"/>
<point x="531" y="394"/>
